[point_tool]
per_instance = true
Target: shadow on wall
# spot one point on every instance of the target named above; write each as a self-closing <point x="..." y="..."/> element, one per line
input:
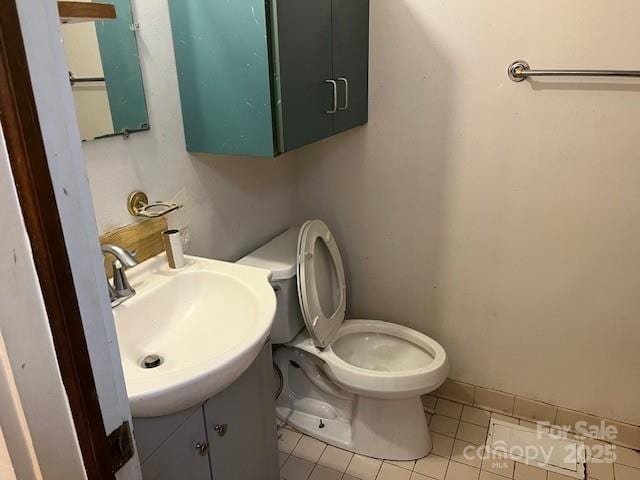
<point x="585" y="84"/>
<point x="373" y="184"/>
<point x="252" y="202"/>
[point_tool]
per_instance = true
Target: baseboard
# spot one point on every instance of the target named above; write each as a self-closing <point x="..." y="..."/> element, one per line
<point x="613" y="431"/>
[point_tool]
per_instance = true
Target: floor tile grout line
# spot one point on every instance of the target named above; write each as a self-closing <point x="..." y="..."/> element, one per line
<point x="342" y="474"/>
<point x="379" y="468"/>
<point x="414" y="463"/>
<point x="456" y="435"/>
<point x="296" y="445"/>
<point x="446" y="470"/>
<point x="349" y="464"/>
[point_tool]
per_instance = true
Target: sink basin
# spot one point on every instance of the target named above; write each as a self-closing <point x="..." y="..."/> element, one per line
<point x="198" y="329"/>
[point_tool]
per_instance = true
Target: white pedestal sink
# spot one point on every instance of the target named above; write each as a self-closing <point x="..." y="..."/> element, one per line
<point x="207" y="322"/>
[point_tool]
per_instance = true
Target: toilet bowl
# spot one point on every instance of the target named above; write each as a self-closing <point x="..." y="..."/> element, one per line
<point x="380" y="359"/>
<point x="355" y="384"/>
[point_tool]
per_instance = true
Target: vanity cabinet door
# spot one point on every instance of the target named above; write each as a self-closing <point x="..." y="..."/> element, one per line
<point x="304" y="60"/>
<point x="182" y="455"/>
<point x="241" y="425"/>
<point x="351" y="62"/>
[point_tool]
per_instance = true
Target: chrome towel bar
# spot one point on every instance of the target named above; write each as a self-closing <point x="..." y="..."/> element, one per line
<point x="73" y="79"/>
<point x="85" y="80"/>
<point x="520" y="70"/>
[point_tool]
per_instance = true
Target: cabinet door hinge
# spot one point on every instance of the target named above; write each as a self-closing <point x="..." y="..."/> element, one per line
<point x="120" y="446"/>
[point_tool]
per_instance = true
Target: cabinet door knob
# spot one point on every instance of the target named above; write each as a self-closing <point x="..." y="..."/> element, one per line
<point x="221" y="429"/>
<point x="346" y="93"/>
<point x="202" y="448"/>
<point x="334" y="107"/>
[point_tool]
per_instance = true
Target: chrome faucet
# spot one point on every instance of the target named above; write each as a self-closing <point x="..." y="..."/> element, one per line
<point x="121" y="290"/>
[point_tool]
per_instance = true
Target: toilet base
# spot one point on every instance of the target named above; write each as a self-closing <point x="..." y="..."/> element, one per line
<point x="393" y="429"/>
<point x="380" y="428"/>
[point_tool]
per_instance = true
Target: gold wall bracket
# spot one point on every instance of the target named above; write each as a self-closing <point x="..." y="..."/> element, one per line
<point x="138" y="205"/>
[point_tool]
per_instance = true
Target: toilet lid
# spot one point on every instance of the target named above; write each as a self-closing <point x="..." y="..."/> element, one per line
<point x="321" y="284"/>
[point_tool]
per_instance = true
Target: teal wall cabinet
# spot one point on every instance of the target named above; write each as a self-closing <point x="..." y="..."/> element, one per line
<point x="263" y="77"/>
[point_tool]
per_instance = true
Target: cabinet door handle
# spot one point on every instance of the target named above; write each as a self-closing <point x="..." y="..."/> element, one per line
<point x="334" y="84"/>
<point x="202" y="448"/>
<point x="221" y="429"/>
<point x="346" y="93"/>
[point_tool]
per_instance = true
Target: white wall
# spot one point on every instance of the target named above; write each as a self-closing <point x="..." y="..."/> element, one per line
<point x="500" y="218"/>
<point x="232" y="204"/>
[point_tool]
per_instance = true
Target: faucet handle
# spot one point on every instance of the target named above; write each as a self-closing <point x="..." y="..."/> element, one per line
<point x="113" y="296"/>
<point x="120" y="281"/>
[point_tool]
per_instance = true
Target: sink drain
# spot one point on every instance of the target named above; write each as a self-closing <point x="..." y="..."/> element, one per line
<point x="152" y="361"/>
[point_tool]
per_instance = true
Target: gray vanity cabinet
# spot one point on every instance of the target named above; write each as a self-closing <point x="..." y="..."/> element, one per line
<point x="232" y="436"/>
<point x="241" y="426"/>
<point x="177" y="456"/>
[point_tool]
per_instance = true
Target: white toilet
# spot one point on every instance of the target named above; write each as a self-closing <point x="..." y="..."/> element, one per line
<point x="354" y="384"/>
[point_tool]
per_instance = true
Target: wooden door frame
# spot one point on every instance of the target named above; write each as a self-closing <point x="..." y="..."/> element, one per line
<point x="27" y="156"/>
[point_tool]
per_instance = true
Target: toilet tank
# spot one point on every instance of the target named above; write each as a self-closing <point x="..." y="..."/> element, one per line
<point x="279" y="256"/>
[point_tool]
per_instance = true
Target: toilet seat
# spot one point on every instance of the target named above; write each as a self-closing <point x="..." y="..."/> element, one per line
<point x="321" y="282"/>
<point x="366" y="357"/>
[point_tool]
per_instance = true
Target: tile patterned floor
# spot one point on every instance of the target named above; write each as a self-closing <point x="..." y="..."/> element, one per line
<point x="454" y="427"/>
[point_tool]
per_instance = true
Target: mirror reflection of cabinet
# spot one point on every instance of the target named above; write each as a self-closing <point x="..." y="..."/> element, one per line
<point x="262" y="78"/>
<point x="104" y="68"/>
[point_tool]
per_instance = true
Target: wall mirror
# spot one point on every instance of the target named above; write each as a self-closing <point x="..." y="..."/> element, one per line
<point x="104" y="68"/>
